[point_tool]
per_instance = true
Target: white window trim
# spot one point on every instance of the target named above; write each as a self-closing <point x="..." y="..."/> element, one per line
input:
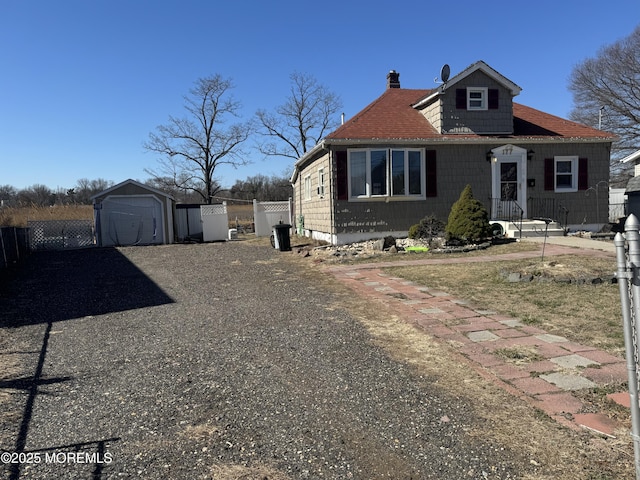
<point x="389" y="184"/>
<point x="484" y="91"/>
<point x="321" y="179"/>
<point x="423" y="179"/>
<point x="307" y="187"/>
<point x="574" y="173"/>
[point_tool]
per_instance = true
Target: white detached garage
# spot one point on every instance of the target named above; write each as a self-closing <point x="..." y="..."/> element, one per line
<point x="131" y="213"/>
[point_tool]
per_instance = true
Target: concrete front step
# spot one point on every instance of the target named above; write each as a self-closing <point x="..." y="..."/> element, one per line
<point x="530" y="228"/>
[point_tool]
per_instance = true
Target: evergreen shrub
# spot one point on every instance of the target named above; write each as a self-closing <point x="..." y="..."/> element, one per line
<point x="468" y="220"/>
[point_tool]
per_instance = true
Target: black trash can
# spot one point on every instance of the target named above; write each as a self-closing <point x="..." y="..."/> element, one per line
<point x="282" y="239"/>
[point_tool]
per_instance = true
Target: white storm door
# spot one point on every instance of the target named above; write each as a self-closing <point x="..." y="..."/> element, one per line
<point x="509" y="189"/>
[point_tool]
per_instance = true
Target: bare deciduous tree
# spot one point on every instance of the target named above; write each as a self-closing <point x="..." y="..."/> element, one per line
<point x="262" y="188"/>
<point x="309" y="112"/>
<point x="606" y="93"/>
<point x="85" y="189"/>
<point x="193" y="147"/>
<point x="167" y="185"/>
<point x="8" y="195"/>
<point x="37" y="195"/>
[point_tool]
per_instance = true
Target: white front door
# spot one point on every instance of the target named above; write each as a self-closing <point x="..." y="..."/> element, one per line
<point x="509" y="182"/>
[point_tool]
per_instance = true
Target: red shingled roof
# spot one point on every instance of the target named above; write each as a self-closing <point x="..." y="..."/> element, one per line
<point x="389" y="116"/>
<point x="529" y="122"/>
<point x="392" y="116"/>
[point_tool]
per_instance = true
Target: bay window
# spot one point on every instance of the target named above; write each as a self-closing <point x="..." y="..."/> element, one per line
<point x="386" y="173"/>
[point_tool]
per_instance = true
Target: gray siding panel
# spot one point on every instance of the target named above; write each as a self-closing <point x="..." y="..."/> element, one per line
<point x="459" y="165"/>
<point x="457" y="120"/>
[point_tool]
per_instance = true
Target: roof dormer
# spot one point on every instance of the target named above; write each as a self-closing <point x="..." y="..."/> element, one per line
<point x="477" y="100"/>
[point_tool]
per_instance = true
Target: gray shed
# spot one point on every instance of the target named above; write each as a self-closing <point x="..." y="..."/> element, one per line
<point x="131" y="213"/>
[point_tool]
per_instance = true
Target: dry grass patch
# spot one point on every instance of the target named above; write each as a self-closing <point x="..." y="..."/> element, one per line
<point x="18" y="217"/>
<point x="519" y="355"/>
<point x="240" y="215"/>
<point x="587" y="314"/>
<point x="567" y="268"/>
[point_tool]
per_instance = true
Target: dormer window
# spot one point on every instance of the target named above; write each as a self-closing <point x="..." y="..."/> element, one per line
<point x="476" y="98"/>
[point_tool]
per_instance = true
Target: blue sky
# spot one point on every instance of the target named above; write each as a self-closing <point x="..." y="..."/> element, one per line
<point x="84" y="82"/>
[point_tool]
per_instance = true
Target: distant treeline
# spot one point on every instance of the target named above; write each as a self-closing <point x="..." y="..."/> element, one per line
<point x="259" y="187"/>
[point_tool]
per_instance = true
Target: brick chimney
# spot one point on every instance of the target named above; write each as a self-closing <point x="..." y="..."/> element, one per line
<point x="393" y="79"/>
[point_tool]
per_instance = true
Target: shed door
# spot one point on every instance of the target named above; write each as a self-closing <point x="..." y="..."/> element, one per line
<point x="132" y="220"/>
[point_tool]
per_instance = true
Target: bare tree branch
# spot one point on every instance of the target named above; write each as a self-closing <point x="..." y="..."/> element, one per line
<point x="606" y="90"/>
<point x="194" y="146"/>
<point x="309" y="112"/>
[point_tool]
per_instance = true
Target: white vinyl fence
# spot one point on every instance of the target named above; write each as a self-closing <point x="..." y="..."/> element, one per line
<point x="215" y="222"/>
<point x="268" y="214"/>
<point x="617" y="204"/>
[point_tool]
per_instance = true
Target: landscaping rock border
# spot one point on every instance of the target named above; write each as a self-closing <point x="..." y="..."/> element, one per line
<point x="517" y="277"/>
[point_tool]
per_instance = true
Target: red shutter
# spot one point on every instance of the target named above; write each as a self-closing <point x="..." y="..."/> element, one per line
<point x="549" y="174"/>
<point x="583" y="174"/>
<point x="342" y="181"/>
<point x="461" y="98"/>
<point x="494" y="96"/>
<point x="430" y="172"/>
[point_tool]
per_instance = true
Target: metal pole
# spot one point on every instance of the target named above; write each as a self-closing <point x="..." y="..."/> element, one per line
<point x="632" y="234"/>
<point x="544" y="244"/>
<point x="624" y="274"/>
<point x="546" y="221"/>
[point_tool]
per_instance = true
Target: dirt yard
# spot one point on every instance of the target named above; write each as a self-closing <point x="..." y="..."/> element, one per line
<point x="233" y="360"/>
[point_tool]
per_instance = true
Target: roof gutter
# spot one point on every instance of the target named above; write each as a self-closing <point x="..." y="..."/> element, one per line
<point x="465" y="140"/>
<point x="428" y="99"/>
<point x="631" y="158"/>
<point x="297" y="166"/>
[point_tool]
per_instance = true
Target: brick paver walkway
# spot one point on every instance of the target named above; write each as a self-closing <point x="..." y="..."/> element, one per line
<point x="561" y="367"/>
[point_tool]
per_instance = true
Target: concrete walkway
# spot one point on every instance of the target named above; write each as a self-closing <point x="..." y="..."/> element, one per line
<point x="561" y="367"/>
<point x="577" y="242"/>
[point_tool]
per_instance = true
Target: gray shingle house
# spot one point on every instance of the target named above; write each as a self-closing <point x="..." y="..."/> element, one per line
<point x="411" y="152"/>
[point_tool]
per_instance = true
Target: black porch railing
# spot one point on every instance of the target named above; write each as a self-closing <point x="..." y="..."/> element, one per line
<point x="541" y="208"/>
<point x="548" y="208"/>
<point x="508" y="211"/>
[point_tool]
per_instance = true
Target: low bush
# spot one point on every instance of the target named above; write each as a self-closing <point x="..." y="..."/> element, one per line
<point x="429" y="227"/>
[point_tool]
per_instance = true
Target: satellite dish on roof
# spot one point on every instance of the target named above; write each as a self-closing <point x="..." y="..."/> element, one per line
<point x="445" y="71"/>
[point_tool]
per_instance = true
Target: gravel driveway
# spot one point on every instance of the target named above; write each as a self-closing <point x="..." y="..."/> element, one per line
<point x="212" y="361"/>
